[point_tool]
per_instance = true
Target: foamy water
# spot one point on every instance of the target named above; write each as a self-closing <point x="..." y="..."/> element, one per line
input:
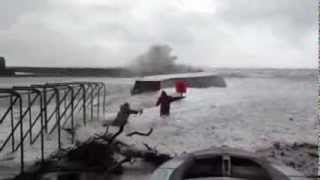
<point x="250" y="113"/>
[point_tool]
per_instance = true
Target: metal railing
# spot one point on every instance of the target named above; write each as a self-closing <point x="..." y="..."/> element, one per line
<point x="42" y="109"/>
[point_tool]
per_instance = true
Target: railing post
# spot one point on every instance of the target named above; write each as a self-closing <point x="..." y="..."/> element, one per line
<point x="40" y="94"/>
<point x="12" y="92"/>
<point x="30" y="118"/>
<point x="44" y="90"/>
<point x="104" y="98"/>
<point x="21" y="130"/>
<point x="42" y="128"/>
<point x="98" y="105"/>
<point x="91" y="100"/>
<point x="21" y="136"/>
<point x="58" y="116"/>
<point x="65" y="101"/>
<point x="12" y="123"/>
<point x="84" y="103"/>
<point x="72" y="113"/>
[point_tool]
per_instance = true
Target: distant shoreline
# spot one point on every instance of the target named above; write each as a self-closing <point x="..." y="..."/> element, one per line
<point x="115" y="72"/>
<point x="63" y="72"/>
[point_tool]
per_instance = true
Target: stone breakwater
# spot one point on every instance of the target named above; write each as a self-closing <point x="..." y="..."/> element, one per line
<point x="194" y="81"/>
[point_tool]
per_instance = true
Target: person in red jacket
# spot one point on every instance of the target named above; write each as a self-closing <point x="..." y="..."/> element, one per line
<point x="164" y="101"/>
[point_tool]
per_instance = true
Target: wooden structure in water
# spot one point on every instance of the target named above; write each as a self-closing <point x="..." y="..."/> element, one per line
<point x="195" y="80"/>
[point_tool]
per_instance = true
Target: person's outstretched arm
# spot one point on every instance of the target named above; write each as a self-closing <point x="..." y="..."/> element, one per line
<point x="175" y="98"/>
<point x="131" y="111"/>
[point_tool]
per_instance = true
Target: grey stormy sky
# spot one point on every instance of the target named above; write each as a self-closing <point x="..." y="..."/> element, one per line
<point x="105" y="33"/>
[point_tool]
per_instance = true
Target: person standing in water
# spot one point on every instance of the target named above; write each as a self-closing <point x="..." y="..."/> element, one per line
<point x="164" y="101"/>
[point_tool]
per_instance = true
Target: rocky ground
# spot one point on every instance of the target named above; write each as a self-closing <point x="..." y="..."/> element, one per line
<point x="301" y="156"/>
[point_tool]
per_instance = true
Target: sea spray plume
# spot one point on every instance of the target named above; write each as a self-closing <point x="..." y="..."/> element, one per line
<point x="159" y="60"/>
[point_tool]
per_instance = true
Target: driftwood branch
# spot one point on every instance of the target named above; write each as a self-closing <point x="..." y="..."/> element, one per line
<point x="140" y="133"/>
<point x="105" y="152"/>
<point x="117" y="133"/>
<point x="148" y="147"/>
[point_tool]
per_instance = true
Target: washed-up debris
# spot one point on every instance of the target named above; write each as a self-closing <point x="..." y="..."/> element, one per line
<point x="301" y="156"/>
<point x="103" y="153"/>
